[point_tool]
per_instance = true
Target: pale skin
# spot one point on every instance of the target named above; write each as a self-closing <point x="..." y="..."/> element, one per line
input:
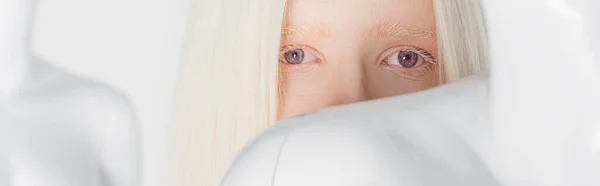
<point x="338" y="52"/>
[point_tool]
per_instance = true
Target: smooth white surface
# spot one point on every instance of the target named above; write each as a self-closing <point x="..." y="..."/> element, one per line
<point x="132" y="45"/>
<point x="428" y="138"/>
<point x="546" y="96"/>
<point x="68" y="131"/>
<point x="59" y="129"/>
<point x="4" y="173"/>
<point x="13" y="45"/>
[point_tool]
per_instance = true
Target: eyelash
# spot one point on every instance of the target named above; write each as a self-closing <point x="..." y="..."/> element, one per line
<point x="307" y="49"/>
<point x="292" y="70"/>
<point x="426" y="67"/>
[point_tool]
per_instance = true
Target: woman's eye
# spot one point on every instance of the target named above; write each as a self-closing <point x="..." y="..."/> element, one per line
<point x="405" y="58"/>
<point x="298" y="56"/>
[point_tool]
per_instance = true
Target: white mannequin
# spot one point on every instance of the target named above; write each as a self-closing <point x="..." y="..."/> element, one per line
<point x="386" y="142"/>
<point x="4" y="174"/>
<point x="538" y="123"/>
<point x="62" y="130"/>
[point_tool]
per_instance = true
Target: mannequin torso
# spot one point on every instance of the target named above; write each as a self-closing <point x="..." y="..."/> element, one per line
<point x="69" y="131"/>
<point x="61" y="129"/>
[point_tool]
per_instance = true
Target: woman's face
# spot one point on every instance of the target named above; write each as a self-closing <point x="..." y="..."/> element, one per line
<point x="337" y="52"/>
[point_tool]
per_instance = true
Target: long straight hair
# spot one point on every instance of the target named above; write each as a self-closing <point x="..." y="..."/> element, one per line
<point x="227" y="91"/>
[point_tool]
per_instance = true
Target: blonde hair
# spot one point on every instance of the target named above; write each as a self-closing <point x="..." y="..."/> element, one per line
<point x="227" y="91"/>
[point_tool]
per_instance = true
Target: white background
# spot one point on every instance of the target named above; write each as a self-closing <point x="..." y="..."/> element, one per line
<point x="131" y="45"/>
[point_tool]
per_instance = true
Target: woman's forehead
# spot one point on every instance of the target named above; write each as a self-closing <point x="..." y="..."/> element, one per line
<point x="369" y="18"/>
<point x="373" y="7"/>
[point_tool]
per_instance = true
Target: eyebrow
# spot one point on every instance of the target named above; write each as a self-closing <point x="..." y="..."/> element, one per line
<point x="296" y="30"/>
<point x="383" y="29"/>
<point x="386" y="29"/>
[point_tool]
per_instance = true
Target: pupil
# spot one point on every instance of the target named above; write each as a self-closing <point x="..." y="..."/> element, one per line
<point x="294" y="56"/>
<point x="408" y="59"/>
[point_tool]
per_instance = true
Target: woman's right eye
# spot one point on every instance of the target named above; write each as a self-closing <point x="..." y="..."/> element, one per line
<point x="298" y="56"/>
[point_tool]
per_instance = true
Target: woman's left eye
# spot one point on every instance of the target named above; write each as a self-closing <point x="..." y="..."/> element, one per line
<point x="405" y="58"/>
<point x="298" y="56"/>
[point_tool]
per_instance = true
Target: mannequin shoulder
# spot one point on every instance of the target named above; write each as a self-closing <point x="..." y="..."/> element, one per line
<point x="400" y="141"/>
<point x="102" y="106"/>
<point x="294" y="152"/>
<point x="52" y="83"/>
<point x="95" y="99"/>
<point x="300" y="152"/>
<point x="102" y="101"/>
<point x="79" y="97"/>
